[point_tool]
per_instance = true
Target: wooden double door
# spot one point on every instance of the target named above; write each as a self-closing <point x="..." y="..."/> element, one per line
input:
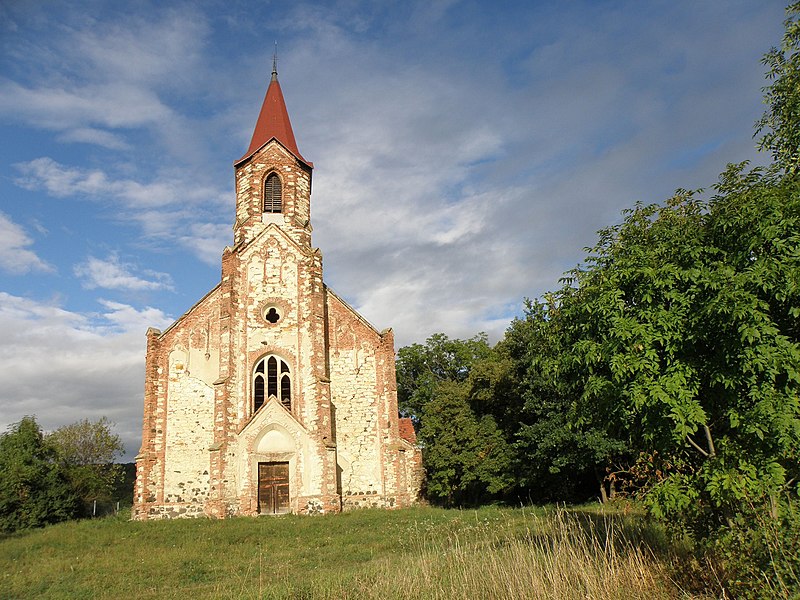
<point x="273" y="488"/>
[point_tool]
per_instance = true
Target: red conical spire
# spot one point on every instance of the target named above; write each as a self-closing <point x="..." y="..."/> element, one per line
<point x="273" y="121"/>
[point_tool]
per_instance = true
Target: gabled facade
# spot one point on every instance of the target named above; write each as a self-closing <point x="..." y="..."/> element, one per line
<point x="272" y="394"/>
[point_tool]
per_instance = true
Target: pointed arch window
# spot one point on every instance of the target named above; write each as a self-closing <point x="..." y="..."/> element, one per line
<point x="272" y="379"/>
<point x="272" y="194"/>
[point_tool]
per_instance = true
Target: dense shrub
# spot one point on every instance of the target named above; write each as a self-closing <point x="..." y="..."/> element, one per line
<point x="758" y="553"/>
<point x="34" y="489"/>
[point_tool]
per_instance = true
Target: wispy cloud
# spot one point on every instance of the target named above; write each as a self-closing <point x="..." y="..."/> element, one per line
<point x="448" y="190"/>
<point x="99" y="137"/>
<point x="166" y="208"/>
<point x="62" y="181"/>
<point x="461" y="163"/>
<point x="15" y="256"/>
<point x="206" y="240"/>
<point x="92" y="367"/>
<point x="110" y="273"/>
<point x="127" y="319"/>
<point x="112" y="105"/>
<point x="90" y="80"/>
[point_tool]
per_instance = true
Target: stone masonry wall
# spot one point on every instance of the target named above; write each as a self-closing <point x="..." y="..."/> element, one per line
<point x="173" y="465"/>
<point x="378" y="467"/>
<point x="361" y="419"/>
<point x="189" y="435"/>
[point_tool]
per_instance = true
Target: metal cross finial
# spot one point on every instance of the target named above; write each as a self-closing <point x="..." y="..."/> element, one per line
<point x="275" y="63"/>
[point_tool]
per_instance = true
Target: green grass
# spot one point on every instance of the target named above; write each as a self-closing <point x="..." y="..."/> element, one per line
<point x="411" y="553"/>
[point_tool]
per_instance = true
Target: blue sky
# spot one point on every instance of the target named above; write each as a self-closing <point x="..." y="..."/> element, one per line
<point x="465" y="152"/>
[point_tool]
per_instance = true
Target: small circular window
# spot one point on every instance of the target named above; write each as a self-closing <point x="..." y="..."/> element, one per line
<point x="274" y="309"/>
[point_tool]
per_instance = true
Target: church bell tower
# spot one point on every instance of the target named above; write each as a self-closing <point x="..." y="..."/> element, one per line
<point x="273" y="185"/>
<point x="272" y="394"/>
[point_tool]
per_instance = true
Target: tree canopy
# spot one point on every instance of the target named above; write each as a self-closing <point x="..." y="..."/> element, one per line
<point x="443" y="387"/>
<point x="50" y="478"/>
<point x="683" y="322"/>
<point x="421" y="367"/>
<point x="86" y="451"/>
<point x="34" y="489"/>
<point x="779" y="124"/>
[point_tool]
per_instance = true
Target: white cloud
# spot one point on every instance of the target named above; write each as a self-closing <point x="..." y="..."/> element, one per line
<point x="63" y="181"/>
<point x="461" y="164"/>
<point x="89" y="135"/>
<point x="15" y="257"/>
<point x="109" y="273"/>
<point x="62" y="366"/>
<point x="457" y="169"/>
<point x="207" y="240"/>
<point x="170" y="207"/>
<point x="156" y="48"/>
<point x="126" y="318"/>
<point x="446" y="192"/>
<point x="58" y="180"/>
<point x="90" y="78"/>
<point x="112" y="105"/>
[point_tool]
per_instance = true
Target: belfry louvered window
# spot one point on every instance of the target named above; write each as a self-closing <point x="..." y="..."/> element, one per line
<point x="272" y="194"/>
<point x="272" y="380"/>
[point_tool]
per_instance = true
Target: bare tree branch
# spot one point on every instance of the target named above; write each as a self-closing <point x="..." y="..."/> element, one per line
<point x="698" y="448"/>
<point x="711" y="450"/>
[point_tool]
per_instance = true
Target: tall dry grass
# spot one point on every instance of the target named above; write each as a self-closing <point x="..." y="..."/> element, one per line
<point x="559" y="556"/>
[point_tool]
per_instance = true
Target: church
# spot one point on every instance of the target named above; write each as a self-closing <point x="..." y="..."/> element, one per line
<point x="272" y="394"/>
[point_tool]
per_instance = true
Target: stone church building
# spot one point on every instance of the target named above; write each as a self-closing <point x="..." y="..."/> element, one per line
<point x="272" y="394"/>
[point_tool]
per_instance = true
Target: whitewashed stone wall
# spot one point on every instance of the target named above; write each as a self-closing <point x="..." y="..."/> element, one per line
<point x="189" y="433"/>
<point x="353" y="396"/>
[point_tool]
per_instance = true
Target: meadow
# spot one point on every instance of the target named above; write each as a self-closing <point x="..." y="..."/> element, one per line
<point x="423" y="552"/>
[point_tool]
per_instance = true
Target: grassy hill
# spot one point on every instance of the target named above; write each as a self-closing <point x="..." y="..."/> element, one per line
<point x="413" y="553"/>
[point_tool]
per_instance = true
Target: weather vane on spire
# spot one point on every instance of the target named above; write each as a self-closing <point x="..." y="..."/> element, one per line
<point x="275" y="63"/>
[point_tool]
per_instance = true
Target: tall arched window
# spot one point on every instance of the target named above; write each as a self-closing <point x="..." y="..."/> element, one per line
<point x="272" y="194"/>
<point x="272" y="379"/>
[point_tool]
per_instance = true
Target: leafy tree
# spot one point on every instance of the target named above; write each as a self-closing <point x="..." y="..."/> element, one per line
<point x="494" y="391"/>
<point x="556" y="460"/>
<point x="684" y="323"/>
<point x="781" y="122"/>
<point x="453" y="389"/>
<point x="466" y="457"/>
<point x="679" y="339"/>
<point x="420" y="368"/>
<point x="34" y="490"/>
<point x="87" y="450"/>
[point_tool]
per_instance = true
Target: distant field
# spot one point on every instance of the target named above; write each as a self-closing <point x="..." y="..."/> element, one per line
<point x="421" y="553"/>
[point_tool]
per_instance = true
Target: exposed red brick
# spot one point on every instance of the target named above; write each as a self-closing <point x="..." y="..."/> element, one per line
<point x="407" y="430"/>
